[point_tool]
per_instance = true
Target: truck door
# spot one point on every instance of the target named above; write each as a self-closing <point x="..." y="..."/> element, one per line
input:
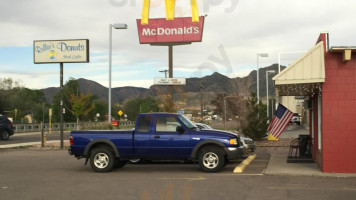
<point x="142" y="136"/>
<point x="166" y="141"/>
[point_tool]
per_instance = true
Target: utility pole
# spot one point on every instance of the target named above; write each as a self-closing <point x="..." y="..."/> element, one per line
<point x="61" y="105"/>
<point x="170" y="64"/>
<point x="225" y="113"/>
<point x="165" y="72"/>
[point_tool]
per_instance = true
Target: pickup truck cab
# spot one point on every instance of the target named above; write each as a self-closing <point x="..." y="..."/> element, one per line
<point x="157" y="136"/>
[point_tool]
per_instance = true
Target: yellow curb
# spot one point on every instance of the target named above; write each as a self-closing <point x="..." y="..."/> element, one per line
<point x="241" y="167"/>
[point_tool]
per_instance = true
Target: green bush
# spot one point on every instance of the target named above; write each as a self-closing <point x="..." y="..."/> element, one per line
<point x="256" y="121"/>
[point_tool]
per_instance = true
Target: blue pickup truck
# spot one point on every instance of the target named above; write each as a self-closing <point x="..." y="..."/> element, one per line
<point x="157" y="136"/>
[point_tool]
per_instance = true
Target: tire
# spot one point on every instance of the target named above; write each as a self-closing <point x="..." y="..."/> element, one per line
<point x="4" y="135"/>
<point x="102" y="159"/>
<point x="120" y="163"/>
<point x="211" y="159"/>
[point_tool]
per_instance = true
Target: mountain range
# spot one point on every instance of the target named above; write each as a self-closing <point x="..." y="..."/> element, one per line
<point x="209" y="85"/>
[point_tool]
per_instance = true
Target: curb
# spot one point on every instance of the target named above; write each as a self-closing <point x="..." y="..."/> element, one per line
<point x="27" y="144"/>
<point x="241" y="167"/>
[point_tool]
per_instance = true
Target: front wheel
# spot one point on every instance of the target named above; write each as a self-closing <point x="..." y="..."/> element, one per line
<point x="211" y="159"/>
<point x="102" y="159"/>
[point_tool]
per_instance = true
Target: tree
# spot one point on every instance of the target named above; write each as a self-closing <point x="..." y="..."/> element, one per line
<point x="101" y="107"/>
<point x="256" y="123"/>
<point x="70" y="87"/>
<point x="7" y="86"/>
<point x="235" y="105"/>
<point x="81" y="105"/>
<point x="167" y="105"/>
<point x="135" y="106"/>
<point x="26" y="101"/>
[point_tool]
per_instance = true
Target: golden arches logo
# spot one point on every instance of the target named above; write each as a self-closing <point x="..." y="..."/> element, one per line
<point x="170" y="4"/>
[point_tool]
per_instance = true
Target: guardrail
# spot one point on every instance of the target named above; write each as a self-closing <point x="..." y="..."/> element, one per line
<point x="21" y="128"/>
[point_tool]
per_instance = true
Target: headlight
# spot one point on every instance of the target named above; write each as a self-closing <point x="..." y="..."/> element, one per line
<point x="233" y="141"/>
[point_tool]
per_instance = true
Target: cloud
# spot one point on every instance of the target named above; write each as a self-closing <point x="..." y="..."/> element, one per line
<point x="243" y="28"/>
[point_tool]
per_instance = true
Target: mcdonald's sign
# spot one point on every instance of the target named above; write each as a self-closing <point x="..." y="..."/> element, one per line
<point x="170" y="30"/>
<point x="181" y="30"/>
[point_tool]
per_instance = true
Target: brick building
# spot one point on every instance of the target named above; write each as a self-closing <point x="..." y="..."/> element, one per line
<point x="327" y="78"/>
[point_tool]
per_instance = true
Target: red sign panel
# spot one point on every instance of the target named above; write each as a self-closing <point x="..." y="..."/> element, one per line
<point x="179" y="30"/>
<point x="115" y="123"/>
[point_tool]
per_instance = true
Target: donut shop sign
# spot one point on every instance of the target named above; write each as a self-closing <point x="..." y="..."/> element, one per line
<point x="61" y="51"/>
<point x="179" y="30"/>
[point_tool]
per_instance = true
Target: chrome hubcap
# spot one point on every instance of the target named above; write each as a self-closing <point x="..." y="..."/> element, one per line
<point x="210" y="160"/>
<point x="101" y="160"/>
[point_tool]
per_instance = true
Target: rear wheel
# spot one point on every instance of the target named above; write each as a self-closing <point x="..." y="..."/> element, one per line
<point x="102" y="159"/>
<point x="4" y="135"/>
<point x="211" y="159"/>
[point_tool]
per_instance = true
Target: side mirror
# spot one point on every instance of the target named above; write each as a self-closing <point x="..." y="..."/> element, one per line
<point x="180" y="129"/>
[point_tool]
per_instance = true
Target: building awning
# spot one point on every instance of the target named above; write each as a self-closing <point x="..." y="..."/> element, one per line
<point x="303" y="77"/>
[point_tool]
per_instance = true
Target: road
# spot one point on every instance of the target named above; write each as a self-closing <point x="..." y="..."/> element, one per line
<point x="53" y="174"/>
<point x="33" y="137"/>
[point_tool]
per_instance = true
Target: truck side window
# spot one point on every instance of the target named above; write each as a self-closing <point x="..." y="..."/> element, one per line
<point x="166" y="124"/>
<point x="144" y="124"/>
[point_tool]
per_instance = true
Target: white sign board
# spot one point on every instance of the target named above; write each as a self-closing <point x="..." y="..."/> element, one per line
<point x="61" y="51"/>
<point x="170" y="81"/>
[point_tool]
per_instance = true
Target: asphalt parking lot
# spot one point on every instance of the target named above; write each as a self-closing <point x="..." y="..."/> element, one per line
<point x="53" y="174"/>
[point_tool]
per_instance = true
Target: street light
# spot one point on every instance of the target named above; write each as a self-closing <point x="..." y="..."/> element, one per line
<point x="165" y="72"/>
<point x="115" y="26"/>
<point x="268" y="71"/>
<point x="225" y="113"/>
<point x="258" y="76"/>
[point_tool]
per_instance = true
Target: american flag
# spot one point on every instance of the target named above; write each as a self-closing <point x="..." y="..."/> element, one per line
<point x="280" y="121"/>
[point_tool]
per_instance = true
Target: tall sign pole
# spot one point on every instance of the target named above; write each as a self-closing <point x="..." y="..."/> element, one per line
<point x="170" y="65"/>
<point x="60" y="51"/>
<point x="170" y="32"/>
<point x="61" y="105"/>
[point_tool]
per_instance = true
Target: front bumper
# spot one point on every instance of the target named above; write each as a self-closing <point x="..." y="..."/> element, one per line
<point x="234" y="153"/>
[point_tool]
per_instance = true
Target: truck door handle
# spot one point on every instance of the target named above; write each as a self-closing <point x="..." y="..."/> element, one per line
<point x="156" y="136"/>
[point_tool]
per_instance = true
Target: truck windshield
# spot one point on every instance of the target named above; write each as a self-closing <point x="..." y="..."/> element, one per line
<point x="186" y="122"/>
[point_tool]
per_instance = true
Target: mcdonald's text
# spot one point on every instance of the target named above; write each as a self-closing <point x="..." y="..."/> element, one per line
<point x="166" y="31"/>
<point x="170" y="31"/>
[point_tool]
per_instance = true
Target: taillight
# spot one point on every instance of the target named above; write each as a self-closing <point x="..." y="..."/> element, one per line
<point x="11" y="123"/>
<point x="71" y="140"/>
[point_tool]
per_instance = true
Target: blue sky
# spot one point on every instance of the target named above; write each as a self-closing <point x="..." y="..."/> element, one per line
<point x="234" y="32"/>
<point x="17" y="63"/>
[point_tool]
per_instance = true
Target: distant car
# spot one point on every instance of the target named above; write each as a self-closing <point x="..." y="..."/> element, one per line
<point x="248" y="143"/>
<point x="6" y="128"/>
<point x="295" y="118"/>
